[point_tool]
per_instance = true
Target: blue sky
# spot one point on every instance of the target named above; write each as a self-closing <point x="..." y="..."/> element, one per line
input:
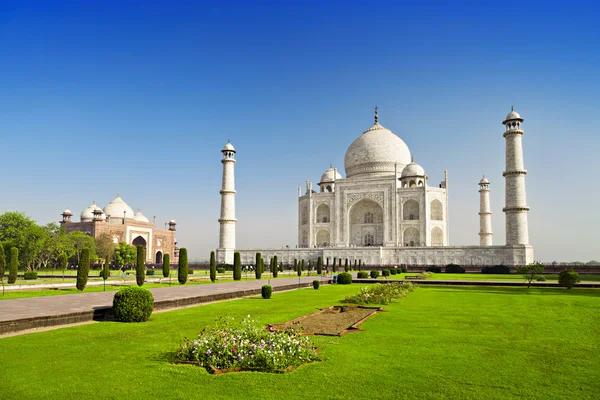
<point x="139" y="98"/>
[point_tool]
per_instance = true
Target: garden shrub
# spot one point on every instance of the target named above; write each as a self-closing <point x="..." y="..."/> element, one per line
<point x="13" y="266"/>
<point x="30" y="275"/>
<point x="266" y="291"/>
<point x="258" y="266"/>
<point x="166" y="267"/>
<point x="385" y="273"/>
<point x="496" y="269"/>
<point x="393" y="271"/>
<point x="344" y="278"/>
<point x="374" y="274"/>
<point x="83" y="269"/>
<point x="568" y="278"/>
<point x="140" y="265"/>
<point x="346" y="267"/>
<point x="541" y="278"/>
<point x="362" y="274"/>
<point x="182" y="269"/>
<point x="247" y="345"/>
<point x="319" y="265"/>
<point x="316" y="284"/>
<point x="454" y="269"/>
<point x="213" y="267"/>
<point x="2" y="265"/>
<point x="221" y="270"/>
<point x="380" y="293"/>
<point x="404" y="270"/>
<point x="237" y="267"/>
<point x="105" y="273"/>
<point x="190" y="272"/>
<point x="133" y="304"/>
<point x="434" y="268"/>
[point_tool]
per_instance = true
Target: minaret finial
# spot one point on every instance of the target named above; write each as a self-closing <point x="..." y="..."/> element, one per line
<point x="512" y="108"/>
<point x="330" y="166"/>
<point x="228" y="141"/>
<point x="376" y="115"/>
<point x="412" y="159"/>
<point x="118" y="194"/>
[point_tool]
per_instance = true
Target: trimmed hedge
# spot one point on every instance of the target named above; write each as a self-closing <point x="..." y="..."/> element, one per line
<point x="221" y="270"/>
<point x="30" y="275"/>
<point x="540" y="278"/>
<point x="385" y="273"/>
<point x="213" y="267"/>
<point x="374" y="274"/>
<point x="83" y="269"/>
<point x="434" y="268"/>
<point x="496" y="269"/>
<point x="105" y="271"/>
<point x="237" y="267"/>
<point x="133" y="304"/>
<point x="182" y="270"/>
<point x="393" y="271"/>
<point x="316" y="284"/>
<point x="362" y="275"/>
<point x="404" y="270"/>
<point x="166" y="267"/>
<point x="454" y="269"/>
<point x="140" y="265"/>
<point x="344" y="278"/>
<point x="266" y="291"/>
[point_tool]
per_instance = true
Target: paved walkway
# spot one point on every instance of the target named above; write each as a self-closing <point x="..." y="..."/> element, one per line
<point x="48" y="306"/>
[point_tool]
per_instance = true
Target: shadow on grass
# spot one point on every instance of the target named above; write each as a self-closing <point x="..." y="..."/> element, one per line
<point x="523" y="290"/>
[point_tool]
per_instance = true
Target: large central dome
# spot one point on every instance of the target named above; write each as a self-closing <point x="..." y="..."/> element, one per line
<point x="376" y="152"/>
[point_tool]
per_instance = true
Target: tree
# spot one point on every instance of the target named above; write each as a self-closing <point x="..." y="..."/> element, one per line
<point x="281" y="266"/>
<point x="2" y="267"/>
<point x="295" y="265"/>
<point x="213" y="267"/>
<point x="237" y="267"/>
<point x="355" y="263"/>
<point x="140" y="266"/>
<point x="568" y="278"/>
<point x="105" y="247"/>
<point x="81" y="241"/>
<point x="257" y="268"/>
<point x="327" y="266"/>
<point x="125" y="254"/>
<point x="274" y="267"/>
<point x="14" y="265"/>
<point x="346" y="268"/>
<point x="530" y="272"/>
<point x="182" y="270"/>
<point x="166" y="265"/>
<point x="63" y="261"/>
<point x="319" y="265"/>
<point x="333" y="268"/>
<point x="299" y="270"/>
<point x="360" y="265"/>
<point x="105" y="273"/>
<point x="14" y="229"/>
<point x="83" y="269"/>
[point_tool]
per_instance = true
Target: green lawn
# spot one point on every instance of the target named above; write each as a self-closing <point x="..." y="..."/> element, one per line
<point x="494" y="277"/>
<point x="439" y="342"/>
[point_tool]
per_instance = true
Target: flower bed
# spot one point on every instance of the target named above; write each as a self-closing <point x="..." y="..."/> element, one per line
<point x="230" y="347"/>
<point x="380" y="293"/>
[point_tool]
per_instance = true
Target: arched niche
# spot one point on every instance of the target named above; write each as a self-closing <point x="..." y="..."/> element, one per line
<point x="323" y="213"/>
<point x="437" y="211"/>
<point x="411" y="237"/>
<point x="437" y="237"/>
<point x="323" y="238"/>
<point x="365" y="217"/>
<point x="410" y="210"/>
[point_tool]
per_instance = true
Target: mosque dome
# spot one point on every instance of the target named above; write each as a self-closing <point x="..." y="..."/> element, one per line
<point x="117" y="207"/>
<point x="67" y="212"/>
<point x="376" y="151"/>
<point x="413" y="169"/>
<point x="172" y="221"/>
<point x="330" y="175"/>
<point x="512" y="115"/>
<point x="484" y="180"/>
<point x="140" y="217"/>
<point x="88" y="214"/>
<point x="228" y="147"/>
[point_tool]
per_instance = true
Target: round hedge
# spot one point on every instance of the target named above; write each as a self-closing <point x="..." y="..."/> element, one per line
<point x="266" y="291"/>
<point x="133" y="304"/>
<point x="385" y="272"/>
<point x="344" y="278"/>
<point x="316" y="284"/>
<point x="374" y="274"/>
<point x="568" y="278"/>
<point x="362" y="275"/>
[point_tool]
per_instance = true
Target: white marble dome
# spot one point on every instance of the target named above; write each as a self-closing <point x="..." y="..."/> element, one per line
<point x="330" y="174"/>
<point x="484" y="180"/>
<point x="88" y="214"/>
<point x="117" y="207"/>
<point x="376" y="152"/>
<point x="413" y="169"/>
<point x="228" y="147"/>
<point x="140" y="217"/>
<point x="67" y="212"/>
<point x="513" y="115"/>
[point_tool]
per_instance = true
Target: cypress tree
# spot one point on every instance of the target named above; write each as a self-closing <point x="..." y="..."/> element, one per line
<point x="257" y="271"/>
<point x="262" y="265"/>
<point x="274" y="263"/>
<point x="319" y="265"/>
<point x="14" y="265"/>
<point x="302" y="265"/>
<point x="299" y="272"/>
<point x="140" y="266"/>
<point x="355" y="264"/>
<point x="360" y="265"/>
<point x="182" y="268"/>
<point x="2" y="267"/>
<point x="105" y="273"/>
<point x="213" y="267"/>
<point x="281" y="266"/>
<point x="237" y="267"/>
<point x="346" y="268"/>
<point x="333" y="268"/>
<point x="274" y="267"/>
<point x="327" y="266"/>
<point x="295" y="264"/>
<point x="83" y="269"/>
<point x="166" y="265"/>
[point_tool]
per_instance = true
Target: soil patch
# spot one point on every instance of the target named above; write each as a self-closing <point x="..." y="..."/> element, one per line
<point x="331" y="321"/>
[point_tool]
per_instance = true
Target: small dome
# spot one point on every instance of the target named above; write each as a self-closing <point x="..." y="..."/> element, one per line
<point x="117" y="207"/>
<point x="140" y="217"/>
<point x="172" y="221"/>
<point x="67" y="212"/>
<point x="413" y="169"/>
<point x="512" y="115"/>
<point x="228" y="147"/>
<point x="88" y="214"/>
<point x="330" y="174"/>
<point x="484" y="180"/>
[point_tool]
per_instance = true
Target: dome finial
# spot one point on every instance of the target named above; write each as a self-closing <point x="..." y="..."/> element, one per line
<point x="376" y="115"/>
<point x="118" y="194"/>
<point x="512" y="108"/>
<point x="330" y="165"/>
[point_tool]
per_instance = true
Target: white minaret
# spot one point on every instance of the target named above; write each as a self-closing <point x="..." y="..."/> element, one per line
<point x="515" y="209"/>
<point x="227" y="220"/>
<point x="485" y="215"/>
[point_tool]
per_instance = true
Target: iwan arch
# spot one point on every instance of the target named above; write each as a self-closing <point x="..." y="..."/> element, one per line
<point x="385" y="212"/>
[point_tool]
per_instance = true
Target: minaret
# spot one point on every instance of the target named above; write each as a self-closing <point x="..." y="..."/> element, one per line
<point x="515" y="209"/>
<point x="227" y="220"/>
<point x="485" y="215"/>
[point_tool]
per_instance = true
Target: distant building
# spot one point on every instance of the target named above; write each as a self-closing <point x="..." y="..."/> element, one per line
<point x="119" y="221"/>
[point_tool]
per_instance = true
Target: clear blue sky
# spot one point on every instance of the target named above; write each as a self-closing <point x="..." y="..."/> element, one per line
<point x="140" y="97"/>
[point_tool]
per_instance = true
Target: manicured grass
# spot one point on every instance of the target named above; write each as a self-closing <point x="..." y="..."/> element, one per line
<point x="439" y="342"/>
<point x="495" y="277"/>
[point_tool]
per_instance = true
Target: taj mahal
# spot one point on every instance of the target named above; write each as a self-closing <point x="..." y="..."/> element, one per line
<point x="385" y="212"/>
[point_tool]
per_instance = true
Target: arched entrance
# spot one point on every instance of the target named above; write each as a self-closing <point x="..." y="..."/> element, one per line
<point x="366" y="224"/>
<point x="159" y="257"/>
<point x="139" y="241"/>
